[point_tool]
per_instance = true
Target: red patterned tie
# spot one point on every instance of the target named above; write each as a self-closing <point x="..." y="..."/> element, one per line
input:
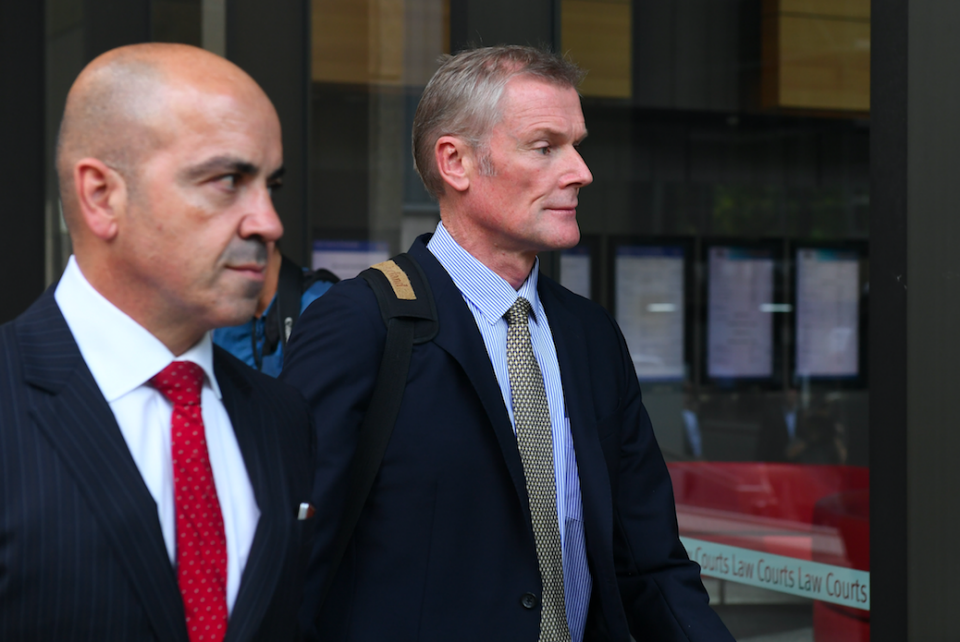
<point x="201" y="543"/>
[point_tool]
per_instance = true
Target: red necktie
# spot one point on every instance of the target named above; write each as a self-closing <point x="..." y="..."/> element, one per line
<point x="201" y="543"/>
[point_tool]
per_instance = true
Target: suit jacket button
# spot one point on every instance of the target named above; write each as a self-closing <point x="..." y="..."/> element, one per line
<point x="529" y="601"/>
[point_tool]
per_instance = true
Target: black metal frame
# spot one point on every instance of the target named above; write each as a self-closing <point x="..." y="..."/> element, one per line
<point x="22" y="173"/>
<point x="271" y="42"/>
<point x="888" y="328"/>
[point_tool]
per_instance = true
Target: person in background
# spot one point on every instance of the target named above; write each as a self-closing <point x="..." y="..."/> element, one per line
<point x="693" y="438"/>
<point x="287" y="291"/>
<point x="522" y="495"/>
<point x="820" y="435"/>
<point x="151" y="483"/>
<point x="778" y="426"/>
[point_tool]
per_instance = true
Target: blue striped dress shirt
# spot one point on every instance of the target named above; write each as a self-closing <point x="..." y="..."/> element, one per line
<point x="489" y="297"/>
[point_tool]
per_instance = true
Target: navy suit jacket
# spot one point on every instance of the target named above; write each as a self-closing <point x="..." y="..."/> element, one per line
<point x="82" y="555"/>
<point x="444" y="549"/>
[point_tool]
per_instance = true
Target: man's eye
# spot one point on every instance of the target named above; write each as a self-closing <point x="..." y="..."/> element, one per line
<point x="274" y="186"/>
<point x="229" y="180"/>
<point x="545" y="151"/>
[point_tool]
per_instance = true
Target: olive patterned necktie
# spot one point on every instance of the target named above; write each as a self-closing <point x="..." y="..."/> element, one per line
<point x="535" y="441"/>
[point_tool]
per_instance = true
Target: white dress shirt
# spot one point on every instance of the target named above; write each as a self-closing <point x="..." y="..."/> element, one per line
<point x="489" y="297"/>
<point x="123" y="356"/>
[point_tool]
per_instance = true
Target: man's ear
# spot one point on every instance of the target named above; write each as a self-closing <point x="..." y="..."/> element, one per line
<point x="101" y="196"/>
<point x="455" y="162"/>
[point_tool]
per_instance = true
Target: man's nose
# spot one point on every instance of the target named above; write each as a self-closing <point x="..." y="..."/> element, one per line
<point x="580" y="174"/>
<point x="262" y="219"/>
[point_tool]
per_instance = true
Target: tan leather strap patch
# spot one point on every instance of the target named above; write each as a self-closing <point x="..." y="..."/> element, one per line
<point x="398" y="280"/>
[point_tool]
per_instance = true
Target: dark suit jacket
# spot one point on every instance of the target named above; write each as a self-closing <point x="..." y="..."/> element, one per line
<point x="444" y="549"/>
<point x="82" y="556"/>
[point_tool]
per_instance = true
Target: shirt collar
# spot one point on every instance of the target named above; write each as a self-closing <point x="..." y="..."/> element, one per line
<point x="482" y="287"/>
<point x="121" y="354"/>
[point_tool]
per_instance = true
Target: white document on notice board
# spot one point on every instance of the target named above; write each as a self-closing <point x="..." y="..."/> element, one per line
<point x="828" y="313"/>
<point x="739" y="320"/>
<point x="650" y="309"/>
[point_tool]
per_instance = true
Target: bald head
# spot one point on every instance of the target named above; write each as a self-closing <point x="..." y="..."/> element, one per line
<point x="168" y="156"/>
<point x="123" y="105"/>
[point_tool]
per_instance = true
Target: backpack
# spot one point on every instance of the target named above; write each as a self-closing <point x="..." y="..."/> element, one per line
<point x="408" y="310"/>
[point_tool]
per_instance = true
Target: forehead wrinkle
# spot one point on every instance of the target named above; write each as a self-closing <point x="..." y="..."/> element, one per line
<point x="236" y="129"/>
<point x="542" y="116"/>
<point x="549" y="127"/>
<point x="548" y="131"/>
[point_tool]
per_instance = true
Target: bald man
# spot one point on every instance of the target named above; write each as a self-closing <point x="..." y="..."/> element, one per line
<point x="152" y="487"/>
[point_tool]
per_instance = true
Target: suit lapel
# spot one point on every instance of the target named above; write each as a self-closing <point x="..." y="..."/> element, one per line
<point x="574" y="359"/>
<point x="264" y="466"/>
<point x="73" y="415"/>
<point x="461" y="339"/>
<point x="576" y="363"/>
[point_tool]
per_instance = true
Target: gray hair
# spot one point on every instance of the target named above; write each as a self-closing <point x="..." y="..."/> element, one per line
<point x="463" y="97"/>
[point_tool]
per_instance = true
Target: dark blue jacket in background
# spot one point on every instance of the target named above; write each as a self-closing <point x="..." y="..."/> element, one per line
<point x="242" y="340"/>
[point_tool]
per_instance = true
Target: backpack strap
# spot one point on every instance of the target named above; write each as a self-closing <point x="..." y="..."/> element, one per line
<point x="403" y="293"/>
<point x="408" y="310"/>
<point x="292" y="282"/>
<point x="289" y="292"/>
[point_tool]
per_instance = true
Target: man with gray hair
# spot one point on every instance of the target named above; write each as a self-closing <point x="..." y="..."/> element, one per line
<point x="522" y="495"/>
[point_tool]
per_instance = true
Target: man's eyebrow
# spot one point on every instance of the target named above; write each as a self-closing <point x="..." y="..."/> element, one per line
<point x="221" y="165"/>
